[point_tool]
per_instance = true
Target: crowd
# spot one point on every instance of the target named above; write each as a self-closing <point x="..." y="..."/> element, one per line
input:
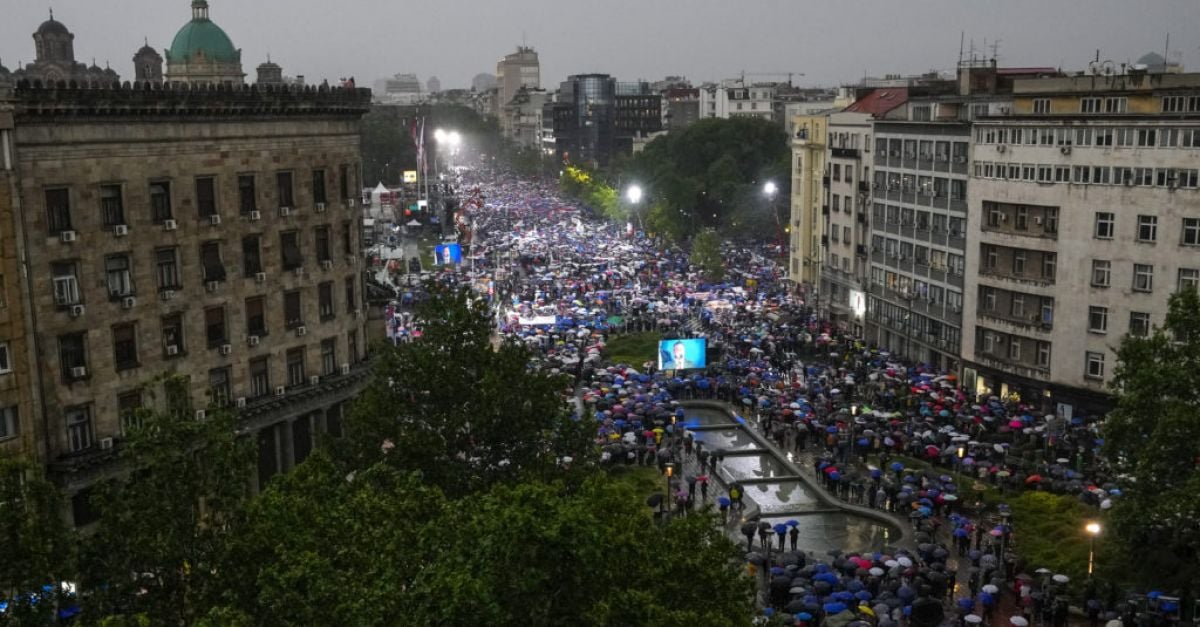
<point x="564" y="284"/>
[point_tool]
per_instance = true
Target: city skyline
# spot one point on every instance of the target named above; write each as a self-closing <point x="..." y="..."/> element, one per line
<point x="707" y="44"/>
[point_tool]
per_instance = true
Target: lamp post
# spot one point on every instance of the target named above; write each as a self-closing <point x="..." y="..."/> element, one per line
<point x="669" y="470"/>
<point x="1093" y="529"/>
<point x="771" y="190"/>
<point x="633" y="194"/>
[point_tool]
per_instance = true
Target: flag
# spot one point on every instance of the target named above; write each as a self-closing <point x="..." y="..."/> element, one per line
<point x="417" y="131"/>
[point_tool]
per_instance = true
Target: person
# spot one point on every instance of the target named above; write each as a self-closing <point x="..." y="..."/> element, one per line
<point x="926" y="611"/>
<point x="679" y="360"/>
<point x="735" y="495"/>
<point x="794" y="536"/>
<point x="447" y="256"/>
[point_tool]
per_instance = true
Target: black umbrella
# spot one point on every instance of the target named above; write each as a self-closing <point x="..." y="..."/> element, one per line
<point x="654" y="500"/>
<point x="749" y="529"/>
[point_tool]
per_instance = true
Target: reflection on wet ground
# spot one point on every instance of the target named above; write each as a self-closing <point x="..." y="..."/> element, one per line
<point x="784" y="496"/>
<point x="753" y="466"/>
<point x="820" y="533"/>
<point x="726" y="440"/>
<point x="703" y="417"/>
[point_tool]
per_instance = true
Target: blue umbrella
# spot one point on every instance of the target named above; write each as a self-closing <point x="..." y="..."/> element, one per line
<point x="897" y="466"/>
<point x="835" y="608"/>
<point x="831" y="429"/>
<point x="961" y="533"/>
<point x="803" y="616"/>
<point x="723" y="501"/>
<point x="792" y="523"/>
<point x="781" y="528"/>
<point x="863" y="595"/>
<point x="875" y="473"/>
<point x="778" y="570"/>
<point x="843" y="596"/>
<point x="966" y="603"/>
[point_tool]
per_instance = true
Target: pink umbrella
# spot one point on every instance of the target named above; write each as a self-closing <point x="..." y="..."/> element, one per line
<point x="1015" y="424"/>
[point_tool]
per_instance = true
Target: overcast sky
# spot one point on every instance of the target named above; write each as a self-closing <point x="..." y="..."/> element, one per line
<point x="829" y="41"/>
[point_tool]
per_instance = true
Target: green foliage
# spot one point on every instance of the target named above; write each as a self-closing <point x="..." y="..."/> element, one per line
<point x="706" y="255"/>
<point x="36" y="547"/>
<point x="387" y="145"/>
<point x="462" y="413"/>
<point x="165" y="522"/>
<point x="633" y="349"/>
<point x="1049" y="533"/>
<point x="1153" y="438"/>
<point x="713" y="173"/>
<point x="593" y="192"/>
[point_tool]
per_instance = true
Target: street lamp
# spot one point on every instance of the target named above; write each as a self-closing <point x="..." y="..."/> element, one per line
<point x="1093" y="529"/>
<point x="633" y="194"/>
<point x="770" y="189"/>
<point x="669" y="469"/>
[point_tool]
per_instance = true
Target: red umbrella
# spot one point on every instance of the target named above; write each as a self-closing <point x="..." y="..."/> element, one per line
<point x="1033" y="479"/>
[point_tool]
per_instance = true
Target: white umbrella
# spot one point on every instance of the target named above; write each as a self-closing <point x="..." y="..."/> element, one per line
<point x="1061" y="578"/>
<point x="1019" y="621"/>
<point x="990" y="589"/>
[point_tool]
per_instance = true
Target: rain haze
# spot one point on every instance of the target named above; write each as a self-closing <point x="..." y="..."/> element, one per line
<point x="822" y="42"/>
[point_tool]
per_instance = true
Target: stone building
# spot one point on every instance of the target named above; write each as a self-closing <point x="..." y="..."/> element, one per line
<point x="55" y="59"/>
<point x="222" y="246"/>
<point x="202" y="53"/>
<point x="148" y="65"/>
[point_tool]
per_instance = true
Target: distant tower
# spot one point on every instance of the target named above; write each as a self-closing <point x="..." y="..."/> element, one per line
<point x="148" y="65"/>
<point x="270" y="73"/>
<point x="202" y="53"/>
<point x="433" y="85"/>
<point x="54" y="43"/>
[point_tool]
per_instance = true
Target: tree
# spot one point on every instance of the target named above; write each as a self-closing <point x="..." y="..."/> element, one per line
<point x="460" y="411"/>
<point x="166" y="519"/>
<point x="706" y="255"/>
<point x="36" y="545"/>
<point x="1153" y="438"/>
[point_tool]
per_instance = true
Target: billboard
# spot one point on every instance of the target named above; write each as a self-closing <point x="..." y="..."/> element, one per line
<point x="410" y="176"/>
<point x="682" y="354"/>
<point x="446" y="254"/>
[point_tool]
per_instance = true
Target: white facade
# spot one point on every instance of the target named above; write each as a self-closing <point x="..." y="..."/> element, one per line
<point x="521" y="118"/>
<point x="848" y="172"/>
<point x="1076" y="243"/>
<point x="516" y="71"/>
<point x="734" y="98"/>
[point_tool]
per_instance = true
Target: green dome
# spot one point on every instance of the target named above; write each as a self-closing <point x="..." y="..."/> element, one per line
<point x="202" y="35"/>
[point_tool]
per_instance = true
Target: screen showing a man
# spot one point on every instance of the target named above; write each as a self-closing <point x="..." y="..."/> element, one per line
<point x="447" y="254"/>
<point x="682" y="354"/>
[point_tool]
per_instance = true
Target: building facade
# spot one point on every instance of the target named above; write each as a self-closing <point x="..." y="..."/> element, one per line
<point x="54" y="59"/>
<point x="515" y="71"/>
<point x="681" y="107"/>
<point x="522" y="118"/>
<point x="1085" y="205"/>
<point x="737" y="98"/>
<point x="202" y="53"/>
<point x="846" y="212"/>
<point x="209" y="262"/>
<point x="584" y="119"/>
<point x="807" y="223"/>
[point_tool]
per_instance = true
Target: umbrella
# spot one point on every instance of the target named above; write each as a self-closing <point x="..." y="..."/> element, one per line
<point x="990" y="589"/>
<point x="655" y="499"/>
<point x="1061" y="579"/>
<point x="723" y="501"/>
<point x="1018" y="621"/>
<point x="876" y="572"/>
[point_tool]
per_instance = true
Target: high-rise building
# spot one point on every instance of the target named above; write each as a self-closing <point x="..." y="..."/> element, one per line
<point x="847" y="211"/>
<point x="595" y="117"/>
<point x="808" y="168"/>
<point x="1085" y="217"/>
<point x="517" y="70"/>
<point x="202" y="53"/>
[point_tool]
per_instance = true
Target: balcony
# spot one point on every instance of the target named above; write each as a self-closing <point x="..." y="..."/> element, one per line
<point x="861" y="218"/>
<point x="825" y="180"/>
<point x="824" y="241"/>
<point x="861" y="250"/>
<point x="845" y="153"/>
<point x="864" y="187"/>
<point x="824" y="210"/>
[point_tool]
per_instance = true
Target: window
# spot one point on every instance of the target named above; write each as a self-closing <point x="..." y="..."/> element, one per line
<point x="72" y="354"/>
<point x="1143" y="277"/>
<point x="348" y="238"/>
<point x="1047" y="311"/>
<point x="1147" y="137"/>
<point x="995" y="215"/>
<point x="256" y="318"/>
<point x="295" y="367"/>
<point x="160" y="201"/>
<point x="214" y="326"/>
<point x="5" y="360"/>
<point x="989" y="342"/>
<point x="1173" y="104"/>
<point x="993" y="257"/>
<point x="989" y="298"/>
<point x="290" y="250"/>
<point x="1116" y="105"/>
<point x="260" y="377"/>
<point x="1189" y="279"/>
<point x="1147" y="228"/>
<point x="1022" y="218"/>
<point x="247" y="198"/>
<point x="328" y="356"/>
<point x="66" y="284"/>
<point x="112" y="205"/>
<point x="219" y="389"/>
<point x="79" y="428"/>
<point x="9" y="426"/>
<point x="178" y="396"/>
<point x="1049" y="265"/>
<point x="1050" y="220"/>
<point x="1191" y="232"/>
<point x="325" y="300"/>
<point x="344" y="183"/>
<point x="1043" y="354"/>
<point x="324" y="250"/>
<point x="351" y="305"/>
<point x="172" y="334"/>
<point x="292" y="312"/>
<point x="251" y="255"/>
<point x="352" y="346"/>
<point x="318" y="186"/>
<point x="1041" y="105"/>
<point x="1095" y="365"/>
<point x="118" y="276"/>
<point x="1101" y="273"/>
<point x="1014" y="349"/>
<point x="1105" y="225"/>
<point x="58" y="210"/>
<point x="129" y="406"/>
<point x="1139" y="324"/>
<point x="166" y="269"/>
<point x="283" y="189"/>
<point x="837" y="172"/>
<point x="210" y="259"/>
<point x="1089" y="105"/>
<point x="1017" y="306"/>
<point x="125" y="353"/>
<point x="1098" y="319"/>
<point x="1018" y="262"/>
<point x="206" y="196"/>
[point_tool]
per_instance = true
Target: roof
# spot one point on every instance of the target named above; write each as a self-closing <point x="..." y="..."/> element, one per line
<point x="1012" y="71"/>
<point x="201" y="35"/>
<point x="879" y="102"/>
<point x="53" y="26"/>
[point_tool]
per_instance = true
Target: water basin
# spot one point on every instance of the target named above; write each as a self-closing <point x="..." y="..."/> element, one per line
<point x="782" y="496"/>
<point x="726" y="440"/>
<point x="752" y="466"/>
<point x="821" y="532"/>
<point x="704" y="417"/>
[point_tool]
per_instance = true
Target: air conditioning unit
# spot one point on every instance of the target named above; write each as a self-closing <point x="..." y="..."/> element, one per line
<point x="170" y="225"/>
<point x="255" y="216"/>
<point x="212" y="286"/>
<point x="120" y="230"/>
<point x="106" y="444"/>
<point x="79" y="372"/>
<point x="320" y="207"/>
<point x="358" y="313"/>
<point x="214" y="220"/>
<point x="345" y="368"/>
<point x="252" y="340"/>
<point x="1037" y="220"/>
<point x="1004" y="217"/>
<point x="351" y="203"/>
<point x="301" y="331"/>
<point x="167" y="294"/>
<point x="240" y="402"/>
<point x="77" y="310"/>
<point x="201" y="415"/>
<point x="128" y="302"/>
<point x="172" y="350"/>
<point x="327" y="264"/>
<point x="300" y="271"/>
<point x="1066" y="150"/>
<point x="260" y="277"/>
<point x="280" y="391"/>
<point x="67" y="236"/>
<point x="285" y="212"/>
<point x="226" y="349"/>
<point x="314" y="380"/>
<point x="1001" y="148"/>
